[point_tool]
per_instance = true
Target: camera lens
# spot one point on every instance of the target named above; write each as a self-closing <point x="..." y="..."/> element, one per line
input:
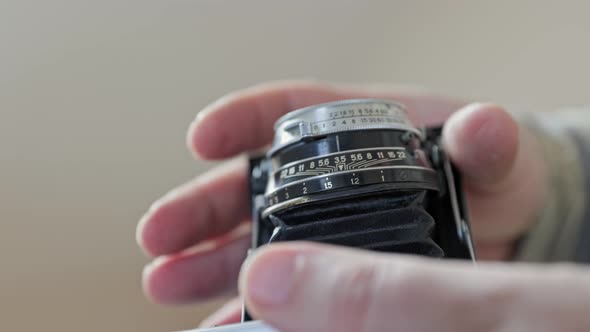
<point x="354" y="173"/>
<point x="345" y="149"/>
<point x="357" y="173"/>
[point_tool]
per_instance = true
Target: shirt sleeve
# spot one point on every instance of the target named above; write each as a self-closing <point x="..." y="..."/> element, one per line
<point x="562" y="229"/>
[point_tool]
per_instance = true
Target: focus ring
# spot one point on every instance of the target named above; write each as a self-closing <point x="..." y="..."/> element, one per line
<point x="335" y="117"/>
<point x="396" y="176"/>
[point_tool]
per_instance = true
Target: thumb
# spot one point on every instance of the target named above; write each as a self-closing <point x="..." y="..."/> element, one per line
<point x="312" y="287"/>
<point x="503" y="173"/>
<point x="483" y="141"/>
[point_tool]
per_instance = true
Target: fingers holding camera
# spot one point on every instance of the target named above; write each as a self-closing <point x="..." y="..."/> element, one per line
<point x="498" y="160"/>
<point x="503" y="172"/>
<point x="483" y="141"/>
<point x="199" y="273"/>
<point x="206" y="207"/>
<point x="319" y="288"/>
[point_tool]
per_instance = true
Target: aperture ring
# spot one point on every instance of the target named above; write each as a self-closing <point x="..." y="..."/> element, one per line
<point x="344" y="161"/>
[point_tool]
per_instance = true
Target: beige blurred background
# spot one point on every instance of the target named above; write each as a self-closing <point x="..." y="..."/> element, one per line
<point x="95" y="97"/>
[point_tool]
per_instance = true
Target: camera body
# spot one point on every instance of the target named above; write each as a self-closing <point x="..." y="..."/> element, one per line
<point x="358" y="173"/>
<point x="431" y="222"/>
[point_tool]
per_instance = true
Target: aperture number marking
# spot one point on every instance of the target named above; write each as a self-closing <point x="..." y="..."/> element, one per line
<point x="342" y="161"/>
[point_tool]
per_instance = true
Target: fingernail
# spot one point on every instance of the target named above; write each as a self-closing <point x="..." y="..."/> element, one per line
<point x="200" y="116"/>
<point x="271" y="278"/>
<point x="148" y="268"/>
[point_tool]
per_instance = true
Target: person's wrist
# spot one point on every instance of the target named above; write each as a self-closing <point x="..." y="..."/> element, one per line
<point x="554" y="224"/>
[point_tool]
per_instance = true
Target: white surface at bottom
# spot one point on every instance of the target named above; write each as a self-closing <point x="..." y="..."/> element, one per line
<point x="255" y="326"/>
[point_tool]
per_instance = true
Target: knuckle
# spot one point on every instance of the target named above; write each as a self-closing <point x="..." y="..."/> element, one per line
<point x="408" y="286"/>
<point x="356" y="295"/>
<point x="376" y="294"/>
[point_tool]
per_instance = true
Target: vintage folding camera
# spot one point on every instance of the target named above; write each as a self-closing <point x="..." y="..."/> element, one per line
<point x="357" y="173"/>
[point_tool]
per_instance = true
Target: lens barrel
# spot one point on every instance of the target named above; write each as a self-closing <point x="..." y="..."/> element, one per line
<point x="357" y="173"/>
<point x="344" y="149"/>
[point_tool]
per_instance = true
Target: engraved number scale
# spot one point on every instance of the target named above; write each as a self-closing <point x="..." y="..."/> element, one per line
<point x="339" y="117"/>
<point x="341" y="169"/>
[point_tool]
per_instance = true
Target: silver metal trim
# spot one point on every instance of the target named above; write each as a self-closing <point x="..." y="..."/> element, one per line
<point x="463" y="231"/>
<point x="298" y="112"/>
<point x="305" y="122"/>
<point x="254" y="326"/>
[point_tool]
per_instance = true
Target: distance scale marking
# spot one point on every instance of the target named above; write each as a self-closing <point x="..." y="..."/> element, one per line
<point x="354" y="122"/>
<point x="422" y="177"/>
<point x="357" y="116"/>
<point x="321" y="120"/>
<point x="341" y="161"/>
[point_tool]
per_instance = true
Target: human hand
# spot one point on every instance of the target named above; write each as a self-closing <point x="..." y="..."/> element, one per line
<point x="198" y="233"/>
<point x="298" y="287"/>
